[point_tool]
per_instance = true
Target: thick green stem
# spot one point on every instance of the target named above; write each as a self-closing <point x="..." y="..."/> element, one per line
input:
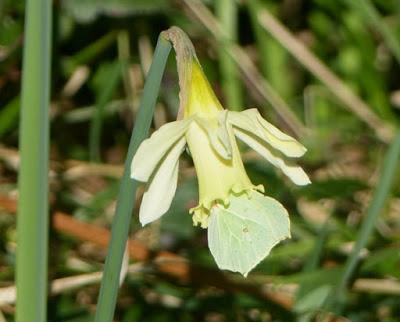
<point x="32" y="222"/>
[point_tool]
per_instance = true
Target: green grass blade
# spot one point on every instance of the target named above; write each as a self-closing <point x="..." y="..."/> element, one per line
<point x="32" y="221"/>
<point x="317" y="251"/>
<point x="372" y="17"/>
<point x="106" y="92"/>
<point x="311" y="286"/>
<point x="125" y="202"/>
<point x="226" y="11"/>
<point x="9" y="116"/>
<point x="89" y="53"/>
<point x="389" y="168"/>
<point x="273" y="57"/>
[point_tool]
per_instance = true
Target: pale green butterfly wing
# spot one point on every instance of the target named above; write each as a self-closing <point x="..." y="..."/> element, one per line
<point x="242" y="235"/>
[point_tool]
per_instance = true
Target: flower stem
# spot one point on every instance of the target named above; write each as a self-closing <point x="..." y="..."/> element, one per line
<point x="125" y="202"/>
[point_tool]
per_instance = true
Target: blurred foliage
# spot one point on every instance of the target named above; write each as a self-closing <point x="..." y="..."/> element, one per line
<point x="97" y="85"/>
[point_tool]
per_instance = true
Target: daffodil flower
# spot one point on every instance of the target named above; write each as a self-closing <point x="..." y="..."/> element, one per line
<point x="209" y="132"/>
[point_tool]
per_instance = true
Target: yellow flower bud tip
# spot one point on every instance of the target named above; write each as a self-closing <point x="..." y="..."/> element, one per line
<point x="201" y="98"/>
<point x="210" y="133"/>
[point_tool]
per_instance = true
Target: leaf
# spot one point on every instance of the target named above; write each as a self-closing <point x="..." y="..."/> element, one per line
<point x="9" y="116"/>
<point x="242" y="235"/>
<point x="314" y="299"/>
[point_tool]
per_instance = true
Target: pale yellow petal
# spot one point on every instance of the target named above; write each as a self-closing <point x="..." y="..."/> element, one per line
<point x="223" y="131"/>
<point x="153" y="149"/>
<point x="294" y="172"/>
<point x="216" y="129"/>
<point x="251" y="121"/>
<point x="162" y="186"/>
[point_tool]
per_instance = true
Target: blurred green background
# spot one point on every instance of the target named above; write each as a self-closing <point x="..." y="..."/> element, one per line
<point x="102" y="51"/>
